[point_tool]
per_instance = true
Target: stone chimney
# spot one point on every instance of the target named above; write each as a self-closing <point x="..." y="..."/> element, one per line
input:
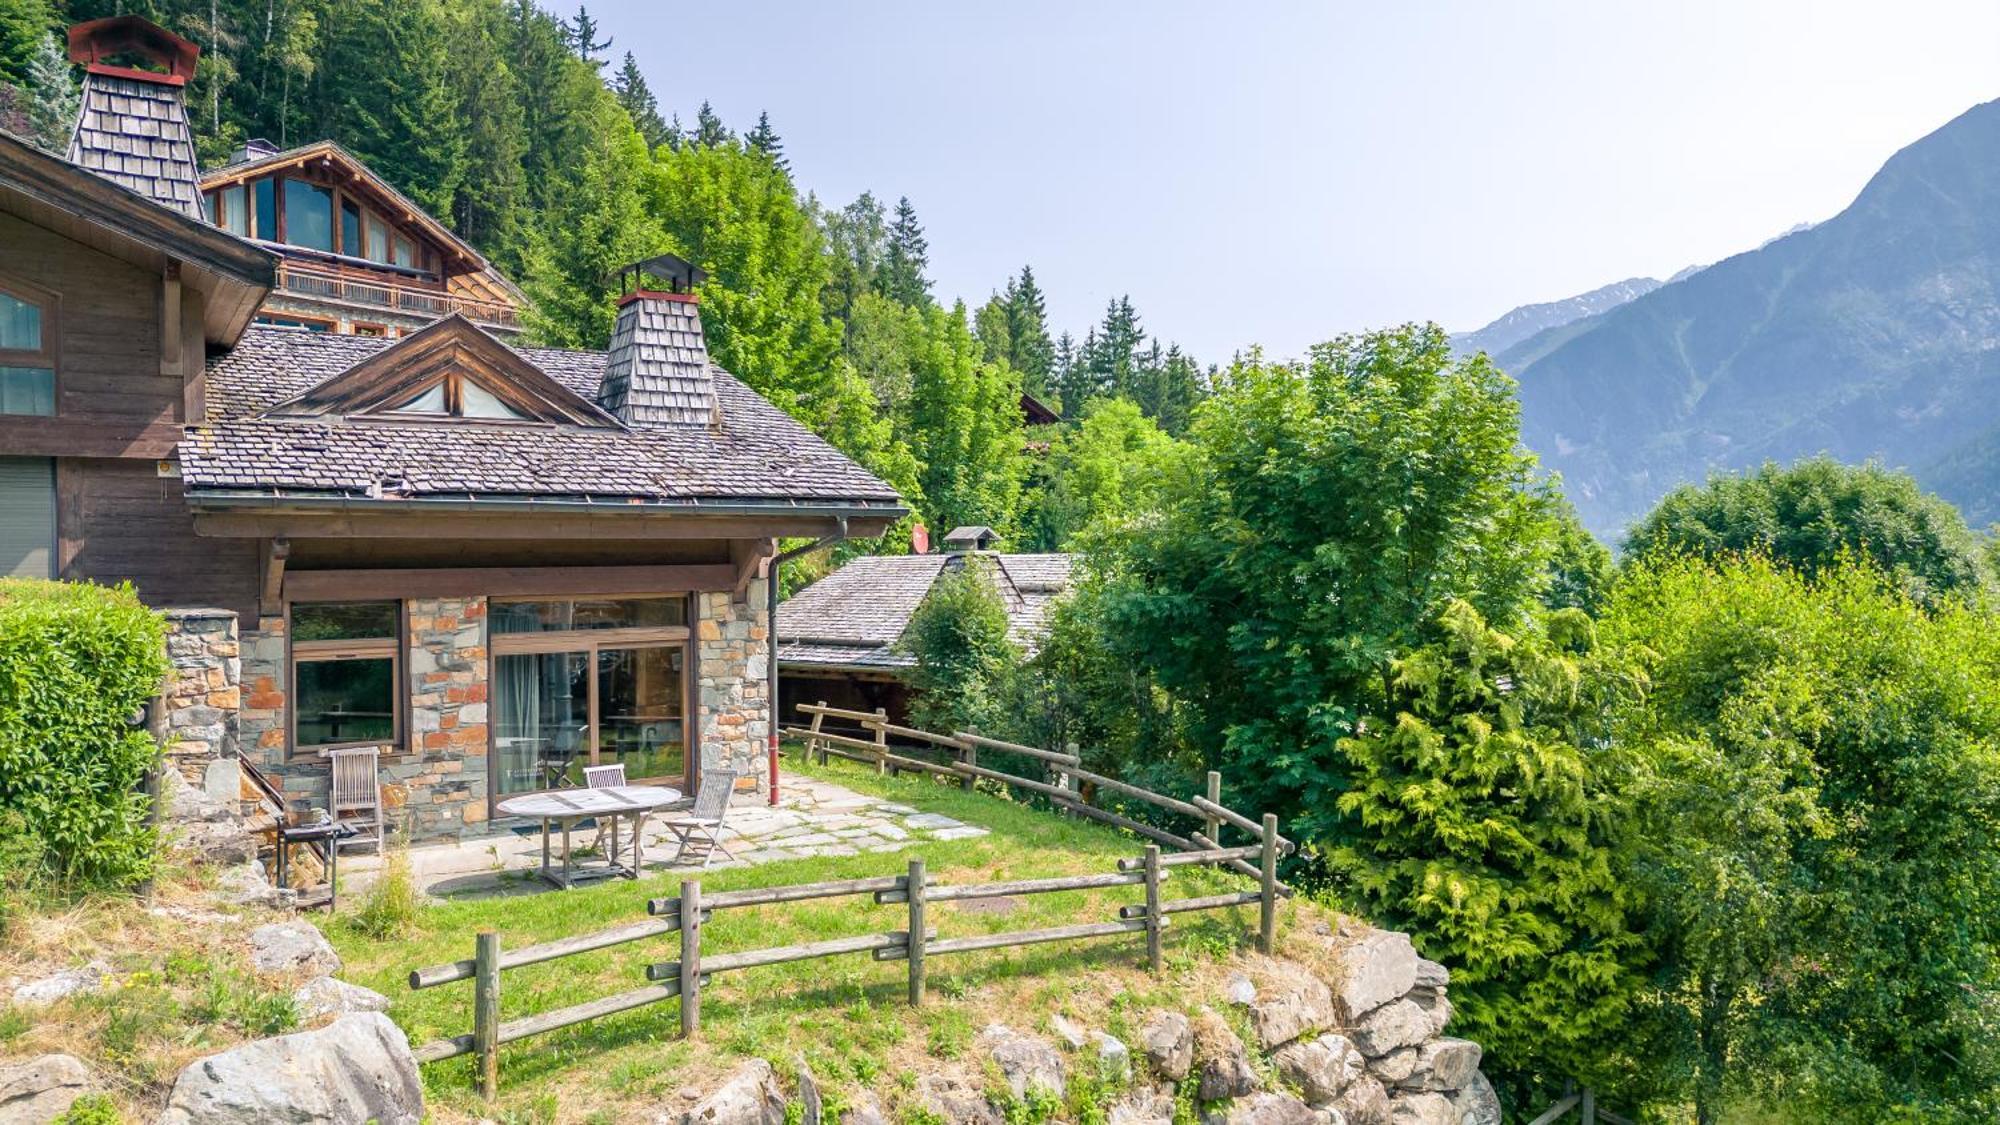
<point x="133" y="129"/>
<point x="657" y="372"/>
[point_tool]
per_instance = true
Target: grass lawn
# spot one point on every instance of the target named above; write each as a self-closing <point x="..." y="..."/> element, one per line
<point x="846" y="1016"/>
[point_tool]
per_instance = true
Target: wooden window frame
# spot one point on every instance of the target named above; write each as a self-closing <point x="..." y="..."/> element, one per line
<point x="373" y="648"/>
<point x="49" y="355"/>
<point x="300" y="321"/>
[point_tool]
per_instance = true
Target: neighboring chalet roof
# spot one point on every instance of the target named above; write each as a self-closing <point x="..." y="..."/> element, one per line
<point x="970" y="537"/>
<point x="248" y="451"/>
<point x="232" y="275"/>
<point x="1035" y="412"/>
<point x="852" y="618"/>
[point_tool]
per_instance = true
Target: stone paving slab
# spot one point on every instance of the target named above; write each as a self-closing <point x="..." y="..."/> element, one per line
<point x="812" y="818"/>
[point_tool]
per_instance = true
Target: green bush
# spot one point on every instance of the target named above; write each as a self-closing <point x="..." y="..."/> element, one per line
<point x="964" y="659"/>
<point x="91" y="1109"/>
<point x="76" y="663"/>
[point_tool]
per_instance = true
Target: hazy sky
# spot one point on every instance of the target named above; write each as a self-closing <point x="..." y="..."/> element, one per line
<point x="1278" y="173"/>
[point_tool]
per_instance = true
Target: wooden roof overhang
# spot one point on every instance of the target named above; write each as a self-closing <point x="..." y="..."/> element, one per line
<point x="232" y="275"/>
<point x="271" y="513"/>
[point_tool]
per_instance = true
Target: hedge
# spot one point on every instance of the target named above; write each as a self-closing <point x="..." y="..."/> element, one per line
<point x="77" y="663"/>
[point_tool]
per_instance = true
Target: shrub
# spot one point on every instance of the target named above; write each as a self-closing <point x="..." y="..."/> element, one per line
<point x="390" y="907"/>
<point x="76" y="663"/>
<point x="91" y="1109"/>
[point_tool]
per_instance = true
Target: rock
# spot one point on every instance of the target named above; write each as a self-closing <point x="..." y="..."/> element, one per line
<point x="1071" y="1035"/>
<point x="1300" y="1003"/>
<point x="185" y="804"/>
<point x="1025" y="1062"/>
<point x="955" y="1100"/>
<point x="1239" y="990"/>
<point x="750" y="1096"/>
<point x="247" y="884"/>
<point x="1263" y="1109"/>
<point x="1476" y="1103"/>
<point x="357" y="1069"/>
<point x="325" y="996"/>
<point x="1444" y="1065"/>
<point x="40" y="1090"/>
<point x="1114" y="1058"/>
<point x="1321" y="1068"/>
<point x="1395" y="1067"/>
<point x="1430" y="974"/>
<point x="295" y="946"/>
<point x="222" y="783"/>
<point x="810" y="1105"/>
<point x="1422" y="1109"/>
<point x="1375" y="970"/>
<point x="1144" y="1105"/>
<point x="1436" y="1006"/>
<point x="62" y="985"/>
<point x="1391" y="1027"/>
<point x="864" y="1109"/>
<point x="1168" y="1041"/>
<point x="1222" y="1063"/>
<point x="1364" y="1102"/>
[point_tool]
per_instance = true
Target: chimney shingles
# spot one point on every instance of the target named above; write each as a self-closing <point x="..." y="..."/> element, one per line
<point x="135" y="133"/>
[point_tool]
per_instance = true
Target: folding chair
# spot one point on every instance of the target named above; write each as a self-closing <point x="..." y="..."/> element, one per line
<point x="357" y="792"/>
<point x="700" y="832"/>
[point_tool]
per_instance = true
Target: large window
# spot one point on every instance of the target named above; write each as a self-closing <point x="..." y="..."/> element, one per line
<point x="265" y="192"/>
<point x="588" y="681"/>
<point x="308" y="215"/>
<point x="345" y="664"/>
<point x="350" y="228"/>
<point x="27" y="351"/>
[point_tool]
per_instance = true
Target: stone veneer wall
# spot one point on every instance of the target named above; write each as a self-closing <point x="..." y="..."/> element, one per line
<point x="732" y="645"/>
<point x="438" y="786"/>
<point x="204" y="692"/>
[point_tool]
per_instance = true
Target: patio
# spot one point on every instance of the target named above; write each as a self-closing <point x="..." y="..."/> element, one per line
<point x="812" y="818"/>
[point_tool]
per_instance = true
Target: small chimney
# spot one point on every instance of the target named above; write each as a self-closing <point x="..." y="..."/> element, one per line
<point x="133" y="127"/>
<point x="970" y="538"/>
<point x="256" y="148"/>
<point x="657" y="373"/>
<point x="920" y="539"/>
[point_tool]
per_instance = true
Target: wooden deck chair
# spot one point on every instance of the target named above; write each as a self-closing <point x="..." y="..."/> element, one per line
<point x="357" y="792"/>
<point x="605" y="777"/>
<point x="700" y="831"/>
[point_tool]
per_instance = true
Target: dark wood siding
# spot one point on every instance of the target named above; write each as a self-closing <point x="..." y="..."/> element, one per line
<point x="119" y="520"/>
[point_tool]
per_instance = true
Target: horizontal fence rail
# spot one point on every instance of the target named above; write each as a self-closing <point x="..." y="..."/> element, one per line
<point x="686" y="915"/>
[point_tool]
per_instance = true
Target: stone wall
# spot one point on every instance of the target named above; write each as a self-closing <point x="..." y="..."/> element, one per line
<point x="732" y="661"/>
<point x="204" y="692"/>
<point x="437" y="785"/>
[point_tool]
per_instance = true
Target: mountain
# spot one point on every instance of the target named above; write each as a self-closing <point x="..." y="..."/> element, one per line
<point x="1527" y="320"/>
<point x="1875" y="334"/>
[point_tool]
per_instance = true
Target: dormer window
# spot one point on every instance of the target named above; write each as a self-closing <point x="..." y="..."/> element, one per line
<point x="457" y="397"/>
<point x="27" y="350"/>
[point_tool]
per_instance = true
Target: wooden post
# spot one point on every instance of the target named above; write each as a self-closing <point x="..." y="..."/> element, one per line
<point x="881" y="742"/>
<point x="1587" y="1112"/>
<point x="1153" y="908"/>
<point x="1267" y="906"/>
<point x="486" y="1011"/>
<point x="690" y="957"/>
<point x="813" y="744"/>
<point x="1214" y="824"/>
<point x="916" y="940"/>
<point x="969" y="754"/>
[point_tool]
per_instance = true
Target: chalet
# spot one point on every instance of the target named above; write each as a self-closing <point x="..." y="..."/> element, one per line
<point x="838" y="639"/>
<point x="496" y="563"/>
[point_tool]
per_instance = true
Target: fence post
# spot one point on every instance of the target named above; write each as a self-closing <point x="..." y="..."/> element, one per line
<point x="813" y="744"/>
<point x="1153" y="908"/>
<point x="690" y="957"/>
<point x="1267" y="905"/>
<point x="1587" y="1113"/>
<point x="1213" y="825"/>
<point x="486" y="1011"/>
<point x="969" y="754"/>
<point x="882" y="743"/>
<point x="915" y="889"/>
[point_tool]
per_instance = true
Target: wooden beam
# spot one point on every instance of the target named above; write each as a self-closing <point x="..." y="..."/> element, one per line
<point x="171" y="357"/>
<point x="271" y="600"/>
<point x="504" y="581"/>
<point x="35" y="436"/>
<point x="748" y="556"/>
<point x="613" y="523"/>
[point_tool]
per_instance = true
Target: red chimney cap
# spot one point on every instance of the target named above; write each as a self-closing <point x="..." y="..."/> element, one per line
<point x="96" y="40"/>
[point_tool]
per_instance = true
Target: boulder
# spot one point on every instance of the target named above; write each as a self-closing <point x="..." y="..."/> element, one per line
<point x="1298" y="1003"/>
<point x="863" y="1109"/>
<point x="1322" y="1068"/>
<point x="40" y="1090"/>
<point x="1144" y="1105"/>
<point x="1364" y="1102"/>
<point x="1436" y="1006"/>
<point x="295" y="946"/>
<point x="247" y="884"/>
<point x="1066" y="1030"/>
<point x="62" y="985"/>
<point x="1262" y="1109"/>
<point x="1422" y="1109"/>
<point x="1444" y="1065"/>
<point x="810" y="1104"/>
<point x="1222" y="1063"/>
<point x="1391" y="1027"/>
<point x="357" y="1069"/>
<point x="1025" y="1062"/>
<point x="1114" y="1058"/>
<point x="1476" y="1102"/>
<point x="1239" y="989"/>
<point x="955" y="1100"/>
<point x="1168" y="1041"/>
<point x="325" y="996"/>
<point x="1375" y="970"/>
<point x="1395" y="1067"/>
<point x="750" y="1096"/>
<point x="1430" y="974"/>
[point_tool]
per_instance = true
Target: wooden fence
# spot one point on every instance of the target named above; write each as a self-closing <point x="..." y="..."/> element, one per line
<point x="685" y="914"/>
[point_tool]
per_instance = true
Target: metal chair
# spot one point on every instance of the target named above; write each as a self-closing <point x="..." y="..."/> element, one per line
<point x="357" y="792"/>
<point x="700" y="832"/>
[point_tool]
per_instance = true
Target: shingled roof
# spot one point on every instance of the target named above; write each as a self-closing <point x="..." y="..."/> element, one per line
<point x="853" y="617"/>
<point x="658" y="368"/>
<point x="756" y="453"/>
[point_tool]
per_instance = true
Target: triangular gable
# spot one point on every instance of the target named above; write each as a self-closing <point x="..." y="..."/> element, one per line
<point x="449" y="349"/>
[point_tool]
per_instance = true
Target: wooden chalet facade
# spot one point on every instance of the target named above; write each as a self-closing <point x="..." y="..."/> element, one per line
<point x="498" y="564"/>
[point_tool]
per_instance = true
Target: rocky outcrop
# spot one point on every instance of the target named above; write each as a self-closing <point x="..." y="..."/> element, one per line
<point x="1025" y="1062"/>
<point x="61" y="986"/>
<point x="750" y="1096"/>
<point x="1375" y="970"/>
<point x="1168" y="1041"/>
<point x="292" y="947"/>
<point x="40" y="1090"/>
<point x="1299" y="1003"/>
<point x="355" y="1070"/>
<point x="1262" y="1109"/>
<point x="1321" y="1068"/>
<point x="1222" y="1062"/>
<point x="955" y="1099"/>
<point x="325" y="996"/>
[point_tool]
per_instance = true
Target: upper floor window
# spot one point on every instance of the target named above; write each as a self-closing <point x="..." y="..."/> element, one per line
<point x="308" y="215"/>
<point x="27" y="351"/>
<point x="266" y="205"/>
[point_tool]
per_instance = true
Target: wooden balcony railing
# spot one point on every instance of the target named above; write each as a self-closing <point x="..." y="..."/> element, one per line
<point x="311" y="281"/>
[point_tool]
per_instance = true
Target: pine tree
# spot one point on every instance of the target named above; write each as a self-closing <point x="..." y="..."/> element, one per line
<point x="676" y="133"/>
<point x="53" y="97"/>
<point x="709" y="131"/>
<point x="1062" y="367"/>
<point x="24" y="24"/>
<point x="1027" y="326"/>
<point x="488" y="209"/>
<point x="630" y="87"/>
<point x="764" y="139"/>
<point x="991" y="327"/>
<point x="901" y="277"/>
<point x="857" y="237"/>
<point x="581" y="34"/>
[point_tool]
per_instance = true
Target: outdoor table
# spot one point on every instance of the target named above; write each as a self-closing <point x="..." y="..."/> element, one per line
<point x="567" y="806"/>
<point x="332" y="832"/>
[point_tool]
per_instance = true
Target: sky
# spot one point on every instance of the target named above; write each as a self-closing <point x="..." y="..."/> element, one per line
<point x="1276" y="174"/>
